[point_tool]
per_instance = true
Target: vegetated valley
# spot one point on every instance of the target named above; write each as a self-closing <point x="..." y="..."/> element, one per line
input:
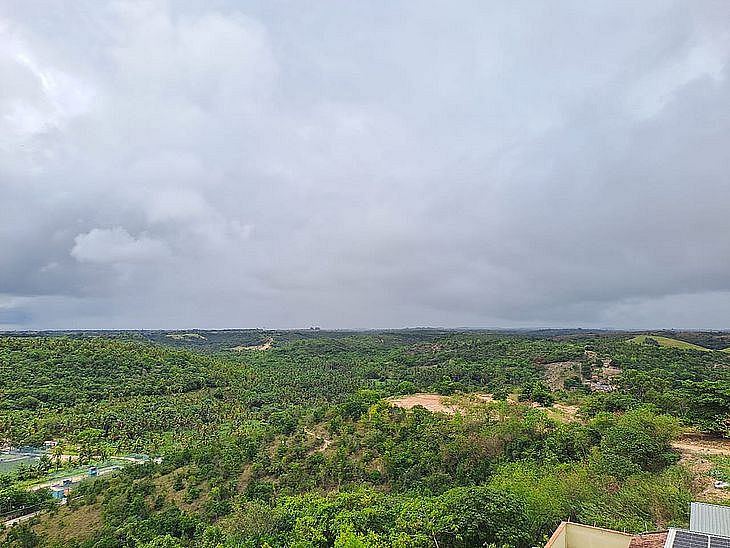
<point x="418" y="438"/>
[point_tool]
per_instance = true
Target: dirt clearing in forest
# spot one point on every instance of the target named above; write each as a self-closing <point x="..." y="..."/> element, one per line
<point x="432" y="402"/>
<point x="266" y="346"/>
<point x="461" y="402"/>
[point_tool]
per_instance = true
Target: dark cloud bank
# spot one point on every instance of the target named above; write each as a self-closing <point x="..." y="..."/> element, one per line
<point x="364" y="164"/>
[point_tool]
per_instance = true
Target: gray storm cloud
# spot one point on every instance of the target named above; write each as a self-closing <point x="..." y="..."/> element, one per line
<point x="241" y="164"/>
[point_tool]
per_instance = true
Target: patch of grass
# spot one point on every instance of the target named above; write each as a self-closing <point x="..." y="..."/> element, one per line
<point x="71" y="524"/>
<point x="671" y="343"/>
<point x="721" y="469"/>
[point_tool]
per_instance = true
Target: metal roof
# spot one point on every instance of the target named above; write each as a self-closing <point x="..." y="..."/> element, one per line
<point x="710" y="518"/>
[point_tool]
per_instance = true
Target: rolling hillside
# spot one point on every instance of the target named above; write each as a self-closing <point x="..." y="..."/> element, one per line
<point x="671" y="343"/>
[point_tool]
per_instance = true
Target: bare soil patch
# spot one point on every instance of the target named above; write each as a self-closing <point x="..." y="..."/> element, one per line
<point x="567" y="409"/>
<point x="432" y="402"/>
<point x="450" y="405"/>
<point x="260" y="347"/>
<point x="702" y="445"/>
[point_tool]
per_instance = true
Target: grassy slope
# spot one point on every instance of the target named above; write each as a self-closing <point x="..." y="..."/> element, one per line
<point x="672" y="343"/>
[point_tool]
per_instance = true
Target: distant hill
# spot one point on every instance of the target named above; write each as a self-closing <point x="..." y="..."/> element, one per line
<point x="671" y="343"/>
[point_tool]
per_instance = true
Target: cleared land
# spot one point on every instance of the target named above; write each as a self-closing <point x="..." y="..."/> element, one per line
<point x="74" y="478"/>
<point x="432" y="402"/>
<point x="450" y="405"/>
<point x="266" y="346"/>
<point x="671" y="343"/>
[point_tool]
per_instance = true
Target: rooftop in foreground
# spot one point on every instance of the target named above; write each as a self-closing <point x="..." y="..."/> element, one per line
<point x="576" y="535"/>
<point x="709" y="528"/>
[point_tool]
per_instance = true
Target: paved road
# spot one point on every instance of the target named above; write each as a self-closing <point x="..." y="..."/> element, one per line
<point x="74" y="479"/>
<point x="26" y="517"/>
<point x="21" y="519"/>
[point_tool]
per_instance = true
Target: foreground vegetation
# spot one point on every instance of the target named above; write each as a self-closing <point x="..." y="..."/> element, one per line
<point x="298" y="445"/>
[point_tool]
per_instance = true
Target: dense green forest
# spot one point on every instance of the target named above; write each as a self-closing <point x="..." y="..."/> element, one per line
<point x="300" y="445"/>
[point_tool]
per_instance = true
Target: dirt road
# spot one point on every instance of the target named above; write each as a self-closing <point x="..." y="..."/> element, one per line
<point x="701" y="445"/>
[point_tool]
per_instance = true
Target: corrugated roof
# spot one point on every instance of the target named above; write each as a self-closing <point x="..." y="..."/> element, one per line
<point x="710" y="518"/>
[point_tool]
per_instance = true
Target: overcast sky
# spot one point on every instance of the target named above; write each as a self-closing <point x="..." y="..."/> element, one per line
<point x="364" y="164"/>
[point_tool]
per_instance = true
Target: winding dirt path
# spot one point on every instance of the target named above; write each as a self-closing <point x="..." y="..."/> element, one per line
<point x="326" y="442"/>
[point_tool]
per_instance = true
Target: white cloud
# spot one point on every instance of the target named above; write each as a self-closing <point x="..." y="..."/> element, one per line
<point x="116" y="246"/>
<point x="44" y="97"/>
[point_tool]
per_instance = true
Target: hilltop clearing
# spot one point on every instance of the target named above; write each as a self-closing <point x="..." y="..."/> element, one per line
<point x="432" y="402"/>
<point x="668" y="342"/>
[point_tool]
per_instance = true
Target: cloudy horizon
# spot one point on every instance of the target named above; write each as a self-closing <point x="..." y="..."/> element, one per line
<point x="233" y="164"/>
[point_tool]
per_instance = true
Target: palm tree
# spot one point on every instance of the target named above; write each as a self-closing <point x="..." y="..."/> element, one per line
<point x="44" y="464"/>
<point x="57" y="453"/>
